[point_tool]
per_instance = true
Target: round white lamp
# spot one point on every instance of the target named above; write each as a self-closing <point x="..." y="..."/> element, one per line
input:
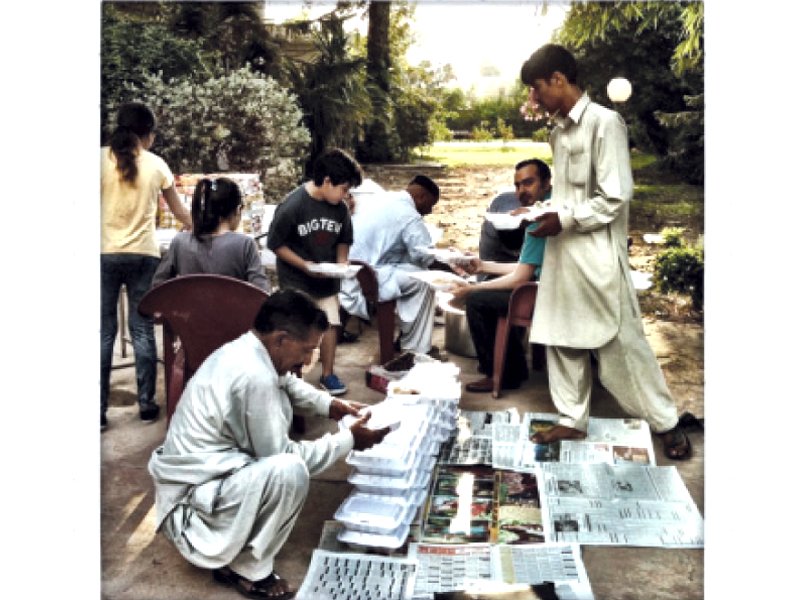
<point x="619" y="89"/>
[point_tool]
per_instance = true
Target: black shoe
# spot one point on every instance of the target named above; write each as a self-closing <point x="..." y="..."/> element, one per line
<point x="103" y="422"/>
<point x="345" y="337"/>
<point x="149" y="413"/>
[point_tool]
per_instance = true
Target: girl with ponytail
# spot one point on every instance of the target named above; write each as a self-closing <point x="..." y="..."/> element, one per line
<point x="131" y="178"/>
<point x="214" y="246"/>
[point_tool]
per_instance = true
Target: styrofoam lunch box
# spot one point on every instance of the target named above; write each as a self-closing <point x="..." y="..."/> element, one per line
<point x="381" y="484"/>
<point x="374" y="513"/>
<point x="360" y="539"/>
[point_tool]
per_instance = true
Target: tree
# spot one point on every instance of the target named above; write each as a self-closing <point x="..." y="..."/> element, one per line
<point x="233" y="32"/>
<point x="134" y="45"/>
<point x="595" y="20"/>
<point x="376" y="146"/>
<point x="658" y="47"/>
<point x="330" y="87"/>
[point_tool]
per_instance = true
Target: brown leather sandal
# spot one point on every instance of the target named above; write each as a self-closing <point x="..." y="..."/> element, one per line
<point x="676" y="444"/>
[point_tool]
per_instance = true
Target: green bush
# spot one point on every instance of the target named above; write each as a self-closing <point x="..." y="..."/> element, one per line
<point x="242" y="121"/>
<point x="482" y="133"/>
<point x="673" y="237"/>
<point x="541" y="135"/>
<point x="680" y="269"/>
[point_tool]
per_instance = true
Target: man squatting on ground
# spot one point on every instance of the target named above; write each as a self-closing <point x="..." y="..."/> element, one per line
<point x="586" y="302"/>
<point x="229" y="482"/>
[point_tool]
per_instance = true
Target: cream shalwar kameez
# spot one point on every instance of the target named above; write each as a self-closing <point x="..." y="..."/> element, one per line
<point x="586" y="301"/>
<point x="229" y="481"/>
<point x="390" y="235"/>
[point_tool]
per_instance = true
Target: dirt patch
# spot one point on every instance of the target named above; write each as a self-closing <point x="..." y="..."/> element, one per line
<point x="467" y="191"/>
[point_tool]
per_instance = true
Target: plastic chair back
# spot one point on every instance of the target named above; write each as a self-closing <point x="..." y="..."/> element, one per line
<point x="520" y="313"/>
<point x="204" y="312"/>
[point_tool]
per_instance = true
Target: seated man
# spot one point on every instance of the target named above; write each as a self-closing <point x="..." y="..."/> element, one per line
<point x="531" y="184"/>
<point x="487" y="300"/>
<point x="390" y="235"/>
<point x="229" y="481"/>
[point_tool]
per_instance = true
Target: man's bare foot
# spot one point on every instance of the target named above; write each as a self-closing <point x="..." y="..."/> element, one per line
<point x="557" y="433"/>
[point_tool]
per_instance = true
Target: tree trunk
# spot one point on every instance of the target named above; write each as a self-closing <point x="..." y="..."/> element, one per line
<point x="377" y="147"/>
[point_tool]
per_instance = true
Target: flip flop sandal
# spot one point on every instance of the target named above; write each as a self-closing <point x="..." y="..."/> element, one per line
<point x="676" y="440"/>
<point x="259" y="590"/>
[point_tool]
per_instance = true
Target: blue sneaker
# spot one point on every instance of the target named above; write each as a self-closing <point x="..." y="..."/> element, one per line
<point x="333" y="385"/>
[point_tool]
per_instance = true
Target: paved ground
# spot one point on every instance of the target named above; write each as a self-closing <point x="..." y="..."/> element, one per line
<point x="138" y="564"/>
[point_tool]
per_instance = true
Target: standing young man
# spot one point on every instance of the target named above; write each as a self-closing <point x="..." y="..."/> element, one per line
<point x="312" y="225"/>
<point x="586" y="303"/>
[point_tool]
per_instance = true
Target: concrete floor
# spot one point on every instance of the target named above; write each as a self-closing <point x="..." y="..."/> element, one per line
<point x="138" y="564"/>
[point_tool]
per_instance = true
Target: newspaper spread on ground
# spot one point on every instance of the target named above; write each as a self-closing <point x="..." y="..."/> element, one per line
<point x="503" y="511"/>
<point x="478" y="504"/>
<point x="601" y="504"/>
<point x="472" y="443"/>
<point x="487" y="568"/>
<point x="610" y="441"/>
<point x="350" y="576"/>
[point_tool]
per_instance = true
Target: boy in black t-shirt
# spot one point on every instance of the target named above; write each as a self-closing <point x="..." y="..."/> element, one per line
<point x="312" y="225"/>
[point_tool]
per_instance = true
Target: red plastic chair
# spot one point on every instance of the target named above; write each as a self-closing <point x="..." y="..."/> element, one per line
<point x="203" y="312"/>
<point x="384" y="312"/>
<point x="520" y="313"/>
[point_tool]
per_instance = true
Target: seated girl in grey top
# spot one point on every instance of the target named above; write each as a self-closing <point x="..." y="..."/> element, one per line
<point x="214" y="246"/>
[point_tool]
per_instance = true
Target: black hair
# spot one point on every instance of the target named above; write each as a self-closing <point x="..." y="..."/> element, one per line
<point x="428" y="184"/>
<point x="213" y="201"/>
<point x="292" y="311"/>
<point x="134" y="121"/>
<point x="541" y="167"/>
<point x="338" y="166"/>
<point x="547" y="60"/>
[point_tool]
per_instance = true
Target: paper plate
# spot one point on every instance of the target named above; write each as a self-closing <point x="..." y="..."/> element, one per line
<point x="335" y="270"/>
<point x="442" y="281"/>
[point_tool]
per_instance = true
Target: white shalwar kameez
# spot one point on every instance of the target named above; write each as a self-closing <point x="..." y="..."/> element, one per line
<point x="229" y="481"/>
<point x="388" y="234"/>
<point x="586" y="300"/>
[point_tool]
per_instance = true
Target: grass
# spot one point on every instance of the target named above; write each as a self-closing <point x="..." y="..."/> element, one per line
<point x="488" y="154"/>
<point x="661" y="198"/>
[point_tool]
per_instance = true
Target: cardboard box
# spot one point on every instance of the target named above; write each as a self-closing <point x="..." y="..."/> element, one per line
<point x="379" y="378"/>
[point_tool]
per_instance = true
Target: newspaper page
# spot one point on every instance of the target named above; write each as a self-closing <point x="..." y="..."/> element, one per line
<point x="534" y="564"/>
<point x="472" y="442"/>
<point x="600" y="504"/>
<point x="485" y="568"/>
<point x="478" y="504"/>
<point x="337" y="576"/>
<point x="609" y="441"/>
<point x="448" y="568"/>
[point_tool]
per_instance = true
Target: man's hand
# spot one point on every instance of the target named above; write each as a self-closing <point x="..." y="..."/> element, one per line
<point x="460" y="294"/>
<point x="363" y="436"/>
<point x="469" y="265"/>
<point x="340" y="408"/>
<point x="549" y="224"/>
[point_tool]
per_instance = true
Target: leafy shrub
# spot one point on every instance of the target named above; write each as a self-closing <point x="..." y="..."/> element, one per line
<point x="541" y="135"/>
<point x="504" y="131"/>
<point x="242" y="121"/>
<point x="680" y="269"/>
<point x="481" y="133"/>
<point x="673" y="237"/>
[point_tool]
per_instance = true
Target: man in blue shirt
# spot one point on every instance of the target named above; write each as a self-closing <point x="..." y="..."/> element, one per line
<point x="531" y="184"/>
<point x="489" y="299"/>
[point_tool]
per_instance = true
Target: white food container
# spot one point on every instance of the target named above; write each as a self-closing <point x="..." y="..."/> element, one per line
<point x="374" y="513"/>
